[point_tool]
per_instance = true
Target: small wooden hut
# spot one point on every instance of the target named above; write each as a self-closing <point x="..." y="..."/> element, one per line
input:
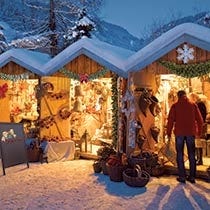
<point x="178" y="59"/>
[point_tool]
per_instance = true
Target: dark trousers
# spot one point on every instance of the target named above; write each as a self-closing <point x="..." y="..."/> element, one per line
<point x="190" y="142"/>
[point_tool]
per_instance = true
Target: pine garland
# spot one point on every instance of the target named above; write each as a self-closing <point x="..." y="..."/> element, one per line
<point x="90" y="77"/>
<point x="114" y="110"/>
<point x="187" y="70"/>
<point x="14" y="77"/>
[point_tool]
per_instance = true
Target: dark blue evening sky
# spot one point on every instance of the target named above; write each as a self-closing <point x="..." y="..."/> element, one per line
<point x="137" y="15"/>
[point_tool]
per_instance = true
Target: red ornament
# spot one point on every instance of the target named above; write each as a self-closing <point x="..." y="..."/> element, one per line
<point x="83" y="78"/>
<point x="3" y="90"/>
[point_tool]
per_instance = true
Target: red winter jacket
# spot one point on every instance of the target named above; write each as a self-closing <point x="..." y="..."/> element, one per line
<point x="185" y="117"/>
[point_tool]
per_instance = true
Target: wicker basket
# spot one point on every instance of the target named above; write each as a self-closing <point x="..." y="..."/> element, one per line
<point x="152" y="160"/>
<point x="131" y="178"/>
<point x="158" y="170"/>
<point x="104" y="167"/>
<point x="116" y="172"/>
<point x="133" y="161"/>
<point x="97" y="167"/>
<point x="208" y="171"/>
<point x="33" y="154"/>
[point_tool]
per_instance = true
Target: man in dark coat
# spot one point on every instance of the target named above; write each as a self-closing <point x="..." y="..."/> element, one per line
<point x="185" y="117"/>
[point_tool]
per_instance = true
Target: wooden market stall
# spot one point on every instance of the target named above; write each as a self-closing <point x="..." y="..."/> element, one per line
<point x="18" y="101"/>
<point x="20" y="71"/>
<point x="182" y="64"/>
<point x="84" y="114"/>
<point x="90" y="74"/>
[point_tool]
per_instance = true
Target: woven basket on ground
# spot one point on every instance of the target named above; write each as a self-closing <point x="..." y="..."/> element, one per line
<point x="133" y="161"/>
<point x="208" y="171"/>
<point x="152" y="160"/>
<point x="133" y="179"/>
<point x="97" y="167"/>
<point x="158" y="170"/>
<point x="116" y="172"/>
<point x="33" y="154"/>
<point x="104" y="167"/>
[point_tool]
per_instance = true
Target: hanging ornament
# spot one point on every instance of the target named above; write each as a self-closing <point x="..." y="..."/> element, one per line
<point x="83" y="78"/>
<point x="185" y="53"/>
<point x="127" y="105"/>
<point x="3" y="90"/>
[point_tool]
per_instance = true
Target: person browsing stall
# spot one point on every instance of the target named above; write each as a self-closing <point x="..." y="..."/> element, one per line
<point x="198" y="141"/>
<point x="186" y="120"/>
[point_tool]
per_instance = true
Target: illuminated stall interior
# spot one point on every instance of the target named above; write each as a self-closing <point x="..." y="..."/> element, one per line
<point x="18" y="96"/>
<point x="60" y="107"/>
<point x="161" y="80"/>
<point x="78" y="105"/>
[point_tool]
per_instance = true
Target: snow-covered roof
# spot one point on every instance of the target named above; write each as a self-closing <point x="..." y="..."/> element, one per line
<point x="194" y="34"/>
<point x="111" y="57"/>
<point x="32" y="61"/>
<point x="114" y="58"/>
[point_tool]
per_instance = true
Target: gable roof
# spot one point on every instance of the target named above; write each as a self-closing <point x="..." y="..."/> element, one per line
<point x="194" y="34"/>
<point x="32" y="61"/>
<point x="109" y="56"/>
<point x="114" y="58"/>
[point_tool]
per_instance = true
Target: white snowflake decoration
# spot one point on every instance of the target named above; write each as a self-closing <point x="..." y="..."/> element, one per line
<point x="185" y="53"/>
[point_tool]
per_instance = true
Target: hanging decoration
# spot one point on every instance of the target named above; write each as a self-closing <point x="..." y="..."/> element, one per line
<point x="3" y="90"/>
<point x="133" y="126"/>
<point x="188" y="70"/>
<point x="14" y="77"/>
<point x="185" y="53"/>
<point x="83" y="77"/>
<point x="128" y="108"/>
<point x="127" y="102"/>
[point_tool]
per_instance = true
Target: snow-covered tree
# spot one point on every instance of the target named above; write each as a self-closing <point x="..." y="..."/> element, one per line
<point x="205" y="20"/>
<point x="82" y="28"/>
<point x="47" y="20"/>
<point x="3" y="43"/>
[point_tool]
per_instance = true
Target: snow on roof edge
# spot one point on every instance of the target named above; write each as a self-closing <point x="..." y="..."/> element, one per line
<point x="101" y="52"/>
<point x="32" y="61"/>
<point x="187" y="32"/>
<point x="117" y="59"/>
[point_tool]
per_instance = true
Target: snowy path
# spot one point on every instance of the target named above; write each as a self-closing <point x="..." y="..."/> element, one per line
<point x="72" y="185"/>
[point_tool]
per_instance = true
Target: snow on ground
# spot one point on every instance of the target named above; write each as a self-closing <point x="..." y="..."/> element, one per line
<point x="73" y="185"/>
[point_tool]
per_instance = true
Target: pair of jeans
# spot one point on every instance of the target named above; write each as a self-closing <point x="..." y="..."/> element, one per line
<point x="190" y="143"/>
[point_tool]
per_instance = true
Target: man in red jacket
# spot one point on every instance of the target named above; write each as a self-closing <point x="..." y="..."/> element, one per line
<point x="185" y="117"/>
